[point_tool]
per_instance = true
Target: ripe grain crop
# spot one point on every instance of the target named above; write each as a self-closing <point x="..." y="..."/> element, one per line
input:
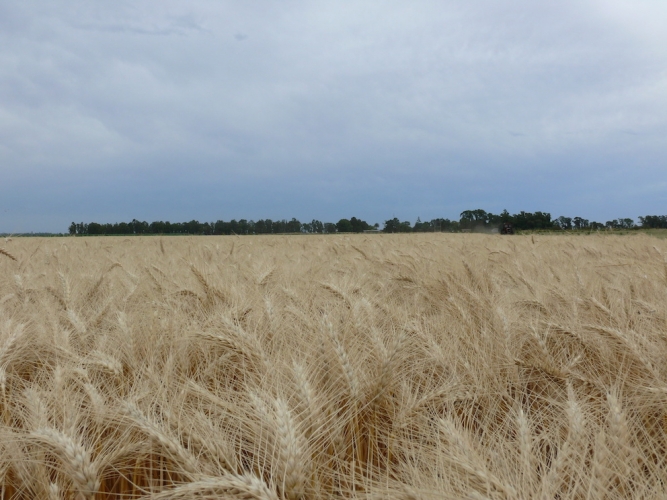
<point x="347" y="366"/>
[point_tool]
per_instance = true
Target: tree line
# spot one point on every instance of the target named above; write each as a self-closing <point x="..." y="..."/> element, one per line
<point x="469" y="220"/>
<point x="242" y="226"/>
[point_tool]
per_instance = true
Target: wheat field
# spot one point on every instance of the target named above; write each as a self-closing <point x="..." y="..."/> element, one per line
<point x="349" y="366"/>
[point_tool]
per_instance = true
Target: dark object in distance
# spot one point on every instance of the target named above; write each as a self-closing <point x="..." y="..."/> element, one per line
<point x="506" y="228"/>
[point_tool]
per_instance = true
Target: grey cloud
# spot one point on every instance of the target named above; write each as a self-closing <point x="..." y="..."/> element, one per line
<point x="181" y="25"/>
<point x="398" y="96"/>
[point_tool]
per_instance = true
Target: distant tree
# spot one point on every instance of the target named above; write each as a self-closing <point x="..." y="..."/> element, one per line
<point x="653" y="221"/>
<point x="627" y="223"/>
<point x="358" y="225"/>
<point x="329" y="227"/>
<point x="421" y="227"/>
<point x="396" y="226"/>
<point x="293" y="226"/>
<point x="243" y="226"/>
<point x="72" y="228"/>
<point x="344" y="226"/>
<point x="620" y="224"/>
<point x="472" y="218"/>
<point x="157" y="227"/>
<point x="193" y="227"/>
<point x="95" y="228"/>
<point x="392" y="226"/>
<point x="260" y="227"/>
<point x="564" y="223"/>
<point x="506" y="217"/>
<point x="478" y="215"/>
<point x="580" y="223"/>
<point x="444" y="225"/>
<point x="138" y="227"/>
<point x="531" y="221"/>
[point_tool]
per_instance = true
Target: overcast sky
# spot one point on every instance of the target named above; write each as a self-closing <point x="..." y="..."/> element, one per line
<point x="174" y="110"/>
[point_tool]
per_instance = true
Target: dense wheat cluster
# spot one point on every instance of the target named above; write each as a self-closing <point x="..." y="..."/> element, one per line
<point x="369" y="367"/>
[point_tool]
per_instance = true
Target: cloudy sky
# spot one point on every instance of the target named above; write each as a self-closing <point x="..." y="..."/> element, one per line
<point x="174" y="110"/>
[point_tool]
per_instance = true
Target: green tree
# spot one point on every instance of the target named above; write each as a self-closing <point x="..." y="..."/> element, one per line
<point x="344" y="226"/>
<point x="193" y="227"/>
<point x="421" y="227"/>
<point x="564" y="223"/>
<point x="506" y="217"/>
<point x="392" y="226"/>
<point x="627" y="223"/>
<point x="293" y="226"/>
<point x="654" y="221"/>
<point x="95" y="228"/>
<point x="580" y="223"/>
<point x="528" y="220"/>
<point x="358" y="225"/>
<point x="472" y="218"/>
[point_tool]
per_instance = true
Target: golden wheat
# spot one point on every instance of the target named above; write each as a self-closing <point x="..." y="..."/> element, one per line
<point x="352" y="367"/>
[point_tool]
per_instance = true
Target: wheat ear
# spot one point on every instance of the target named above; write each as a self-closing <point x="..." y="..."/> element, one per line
<point x="600" y="473"/>
<point x="10" y="340"/>
<point x="620" y="442"/>
<point x="7" y="254"/>
<point x="467" y="459"/>
<point x="568" y="452"/>
<point x="76" y="458"/>
<point x="175" y="449"/>
<point x="388" y="365"/>
<point x="231" y="486"/>
<point x="348" y="370"/>
<point x="66" y="289"/>
<point x="308" y="397"/>
<point x="219" y="447"/>
<point x="54" y="492"/>
<point x="3" y="384"/>
<point x="106" y="362"/>
<point x="526" y="450"/>
<point x="37" y="416"/>
<point x="290" y="445"/>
